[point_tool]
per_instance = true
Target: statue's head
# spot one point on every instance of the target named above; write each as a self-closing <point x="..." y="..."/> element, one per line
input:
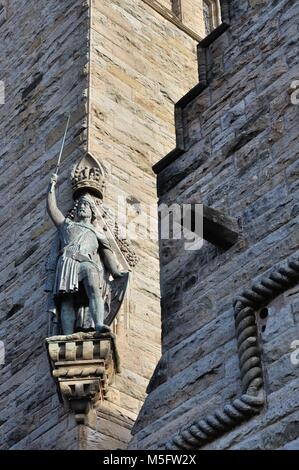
<point x="86" y="208"/>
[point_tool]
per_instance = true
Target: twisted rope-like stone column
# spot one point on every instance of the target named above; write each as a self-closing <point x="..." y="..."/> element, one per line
<point x="213" y="425"/>
<point x="245" y="307"/>
<point x="241" y="409"/>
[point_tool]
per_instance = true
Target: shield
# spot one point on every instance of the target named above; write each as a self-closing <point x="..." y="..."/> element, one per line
<point x="118" y="290"/>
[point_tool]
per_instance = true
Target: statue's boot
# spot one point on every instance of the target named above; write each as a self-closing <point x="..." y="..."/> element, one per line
<point x="103" y="329"/>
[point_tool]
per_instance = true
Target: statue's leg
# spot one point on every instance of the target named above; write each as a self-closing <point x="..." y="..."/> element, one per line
<point x="67" y="316"/>
<point x="91" y="283"/>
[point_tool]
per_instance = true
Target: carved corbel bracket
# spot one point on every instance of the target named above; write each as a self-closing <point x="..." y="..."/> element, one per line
<point x="83" y="366"/>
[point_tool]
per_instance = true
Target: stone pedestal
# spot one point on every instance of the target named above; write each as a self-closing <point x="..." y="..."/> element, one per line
<point x="83" y="366"/>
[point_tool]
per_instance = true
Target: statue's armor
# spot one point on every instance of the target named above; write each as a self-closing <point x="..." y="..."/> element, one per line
<point x="79" y="243"/>
<point x="81" y="294"/>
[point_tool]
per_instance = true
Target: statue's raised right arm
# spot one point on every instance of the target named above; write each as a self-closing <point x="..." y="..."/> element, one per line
<point x="53" y="211"/>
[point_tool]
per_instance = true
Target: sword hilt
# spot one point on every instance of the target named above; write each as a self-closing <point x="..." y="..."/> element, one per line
<point x="53" y="182"/>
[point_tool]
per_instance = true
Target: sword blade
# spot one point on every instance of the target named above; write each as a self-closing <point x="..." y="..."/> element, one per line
<point x="63" y="142"/>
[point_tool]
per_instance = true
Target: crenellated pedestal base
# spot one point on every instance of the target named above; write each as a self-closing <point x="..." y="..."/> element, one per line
<point x="83" y="366"/>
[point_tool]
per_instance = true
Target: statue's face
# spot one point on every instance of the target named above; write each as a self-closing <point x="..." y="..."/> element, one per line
<point x="84" y="210"/>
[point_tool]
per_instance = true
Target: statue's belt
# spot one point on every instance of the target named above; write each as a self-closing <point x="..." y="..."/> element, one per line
<point x="75" y="255"/>
<point x="80" y="257"/>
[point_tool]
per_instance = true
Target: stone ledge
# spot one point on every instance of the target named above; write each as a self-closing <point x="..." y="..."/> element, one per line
<point x="83" y="366"/>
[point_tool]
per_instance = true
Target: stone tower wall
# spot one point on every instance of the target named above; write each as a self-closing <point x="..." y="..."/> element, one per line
<point x="118" y="66"/>
<point x="237" y="152"/>
<point x="43" y="55"/>
<point x="140" y="63"/>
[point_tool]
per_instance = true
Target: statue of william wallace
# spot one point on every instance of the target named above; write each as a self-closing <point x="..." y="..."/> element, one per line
<point x="82" y="261"/>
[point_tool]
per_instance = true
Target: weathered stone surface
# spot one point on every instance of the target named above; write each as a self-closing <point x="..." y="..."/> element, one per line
<point x="294" y="445"/>
<point x="140" y="64"/>
<point x="43" y="79"/>
<point x="240" y="156"/>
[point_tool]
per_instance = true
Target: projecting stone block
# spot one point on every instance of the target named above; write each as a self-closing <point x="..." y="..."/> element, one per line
<point x="83" y="366"/>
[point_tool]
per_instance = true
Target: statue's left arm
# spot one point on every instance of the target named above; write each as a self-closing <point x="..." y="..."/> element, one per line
<point x="108" y="257"/>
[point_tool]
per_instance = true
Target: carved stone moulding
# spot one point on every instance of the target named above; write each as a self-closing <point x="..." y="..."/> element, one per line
<point x="246" y="305"/>
<point x="83" y="366"/>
